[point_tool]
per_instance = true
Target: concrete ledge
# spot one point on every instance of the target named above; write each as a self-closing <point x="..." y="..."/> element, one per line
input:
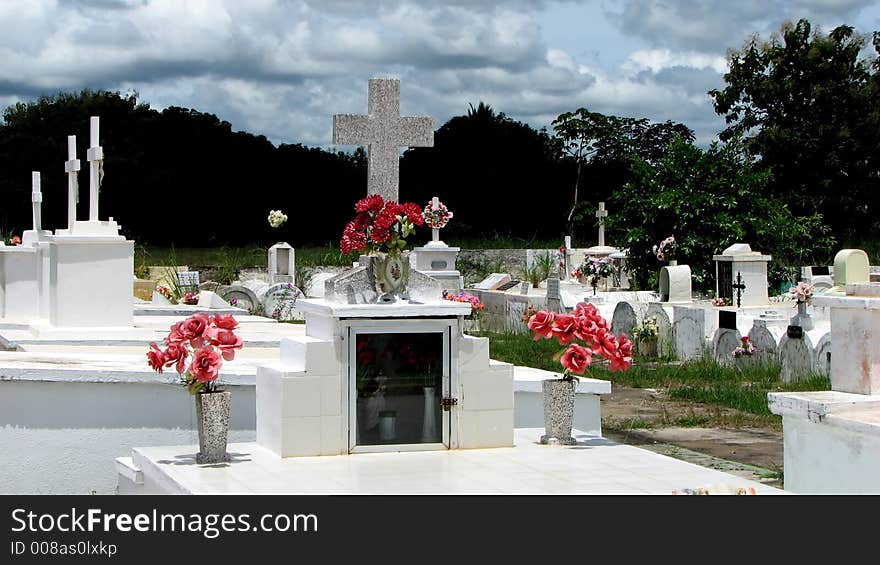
<point x="864" y="420"/>
<point x="527" y="379"/>
<point x="815" y="406"/>
<point x="126" y="468"/>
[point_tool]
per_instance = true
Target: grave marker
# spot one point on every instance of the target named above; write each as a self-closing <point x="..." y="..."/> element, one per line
<point x="493" y="281"/>
<point x="71" y="167"/>
<point x="383" y="130"/>
<point x="95" y="157"/>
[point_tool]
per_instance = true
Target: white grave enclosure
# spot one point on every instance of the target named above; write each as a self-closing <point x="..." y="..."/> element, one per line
<point x="348" y="385"/>
<point x="282" y="263"/>
<point x="751" y="265"/>
<point x="832" y="438"/>
<point x="89" y="260"/>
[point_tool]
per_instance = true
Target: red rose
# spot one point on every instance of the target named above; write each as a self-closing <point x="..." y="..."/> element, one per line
<point x="362" y="222"/>
<point x="542" y="324"/>
<point x="576" y="358"/>
<point x="225" y="340"/>
<point x="206" y="365"/>
<point x="385" y="220"/>
<point x="564" y="328"/>
<point x="606" y="344"/>
<point x="586" y="329"/>
<point x="176" y="353"/>
<point x="155" y="357"/>
<point x="225" y="321"/>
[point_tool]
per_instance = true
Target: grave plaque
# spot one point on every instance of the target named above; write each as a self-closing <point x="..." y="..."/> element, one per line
<point x="508" y="285"/>
<point x="727" y="319"/>
<point x="820" y="270"/>
<point x="795" y="332"/>
<point x="493" y="281"/>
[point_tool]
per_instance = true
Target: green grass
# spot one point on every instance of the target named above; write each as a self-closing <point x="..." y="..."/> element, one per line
<point x="703" y="381"/>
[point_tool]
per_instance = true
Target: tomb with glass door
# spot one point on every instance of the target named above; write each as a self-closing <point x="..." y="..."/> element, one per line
<point x="383" y="377"/>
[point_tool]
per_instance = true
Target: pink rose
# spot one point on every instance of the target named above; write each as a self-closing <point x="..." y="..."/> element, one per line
<point x="225" y="321"/>
<point x="564" y="328"/>
<point x="193" y="329"/>
<point x="176" y="334"/>
<point x="623" y="359"/>
<point x="155" y="357"/>
<point x="542" y="324"/>
<point x="225" y="340"/>
<point x="176" y="353"/>
<point x="206" y="364"/>
<point x="576" y="358"/>
<point x="606" y="344"/>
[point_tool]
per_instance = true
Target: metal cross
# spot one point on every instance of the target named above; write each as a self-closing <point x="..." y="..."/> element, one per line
<point x="384" y="131"/>
<point x="739" y="286"/>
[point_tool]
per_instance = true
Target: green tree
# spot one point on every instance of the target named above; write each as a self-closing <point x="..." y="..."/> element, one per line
<point x="808" y="104"/>
<point x="600" y="148"/>
<point x="709" y="200"/>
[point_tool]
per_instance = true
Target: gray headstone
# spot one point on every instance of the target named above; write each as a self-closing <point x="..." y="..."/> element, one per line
<point x="689" y="332"/>
<point x="797" y="358"/>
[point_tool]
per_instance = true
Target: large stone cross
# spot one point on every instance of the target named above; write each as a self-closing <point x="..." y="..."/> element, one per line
<point x="383" y="130"/>
<point x="601" y="213"/>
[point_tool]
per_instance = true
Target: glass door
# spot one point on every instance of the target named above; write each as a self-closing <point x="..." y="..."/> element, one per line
<point x="398" y="375"/>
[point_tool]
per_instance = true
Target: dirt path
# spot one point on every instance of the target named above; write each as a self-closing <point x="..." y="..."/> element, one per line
<point x="720" y="438"/>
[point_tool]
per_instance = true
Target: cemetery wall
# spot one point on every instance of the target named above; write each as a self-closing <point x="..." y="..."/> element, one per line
<point x="63" y="436"/>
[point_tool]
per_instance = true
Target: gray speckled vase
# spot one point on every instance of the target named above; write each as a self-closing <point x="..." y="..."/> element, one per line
<point x="558" y="410"/>
<point x="212" y="412"/>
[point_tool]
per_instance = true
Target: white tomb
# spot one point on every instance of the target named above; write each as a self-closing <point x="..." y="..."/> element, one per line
<point x="850" y="266"/>
<point x="348" y="385"/>
<point x="832" y="438"/>
<point x="282" y="263"/>
<point x="91" y="266"/>
<point x="751" y="266"/>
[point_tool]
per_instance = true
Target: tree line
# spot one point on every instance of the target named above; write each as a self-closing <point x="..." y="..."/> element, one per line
<point x="795" y="172"/>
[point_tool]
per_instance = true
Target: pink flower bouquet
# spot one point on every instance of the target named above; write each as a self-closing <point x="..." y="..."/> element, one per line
<point x="203" y="341"/>
<point x="586" y="333"/>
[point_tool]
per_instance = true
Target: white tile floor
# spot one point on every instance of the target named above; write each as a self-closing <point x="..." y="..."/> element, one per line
<point x="594" y="466"/>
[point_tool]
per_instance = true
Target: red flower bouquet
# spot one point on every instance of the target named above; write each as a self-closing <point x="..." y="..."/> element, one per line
<point x="381" y="227"/>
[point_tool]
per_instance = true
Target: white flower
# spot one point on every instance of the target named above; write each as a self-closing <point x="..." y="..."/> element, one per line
<point x="276" y="218"/>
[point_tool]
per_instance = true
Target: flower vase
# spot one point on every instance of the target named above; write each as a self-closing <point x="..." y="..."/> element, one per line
<point x="594" y="289"/>
<point x="429" y="423"/>
<point x="559" y="397"/>
<point x="648" y="347"/>
<point x="390" y="275"/>
<point x="802" y="318"/>
<point x="212" y="412"/>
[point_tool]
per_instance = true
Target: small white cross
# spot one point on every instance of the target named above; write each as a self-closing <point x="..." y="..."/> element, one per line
<point x="95" y="157"/>
<point x="71" y="167"/>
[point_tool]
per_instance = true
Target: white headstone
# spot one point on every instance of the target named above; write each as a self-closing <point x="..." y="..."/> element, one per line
<point x="383" y="130"/>
<point x="282" y="263"/>
<point x="493" y="281"/>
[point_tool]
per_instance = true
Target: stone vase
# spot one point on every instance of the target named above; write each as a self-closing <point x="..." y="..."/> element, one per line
<point x="648" y="347"/>
<point x="559" y="397"/>
<point x="802" y="318"/>
<point x="429" y="421"/>
<point x="391" y="275"/>
<point x="212" y="413"/>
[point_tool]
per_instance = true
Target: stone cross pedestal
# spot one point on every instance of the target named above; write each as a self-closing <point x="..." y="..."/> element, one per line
<point x="435" y="232"/>
<point x="383" y="130"/>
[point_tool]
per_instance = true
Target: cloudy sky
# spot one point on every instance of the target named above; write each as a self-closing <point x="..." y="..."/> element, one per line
<point x="281" y="68"/>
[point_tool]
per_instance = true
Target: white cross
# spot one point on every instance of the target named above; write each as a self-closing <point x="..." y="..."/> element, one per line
<point x="95" y="157"/>
<point x="71" y="167"/>
<point x="36" y="199"/>
<point x="384" y="131"/>
<point x="566" y="261"/>
<point x="601" y="213"/>
<point x="435" y="232"/>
